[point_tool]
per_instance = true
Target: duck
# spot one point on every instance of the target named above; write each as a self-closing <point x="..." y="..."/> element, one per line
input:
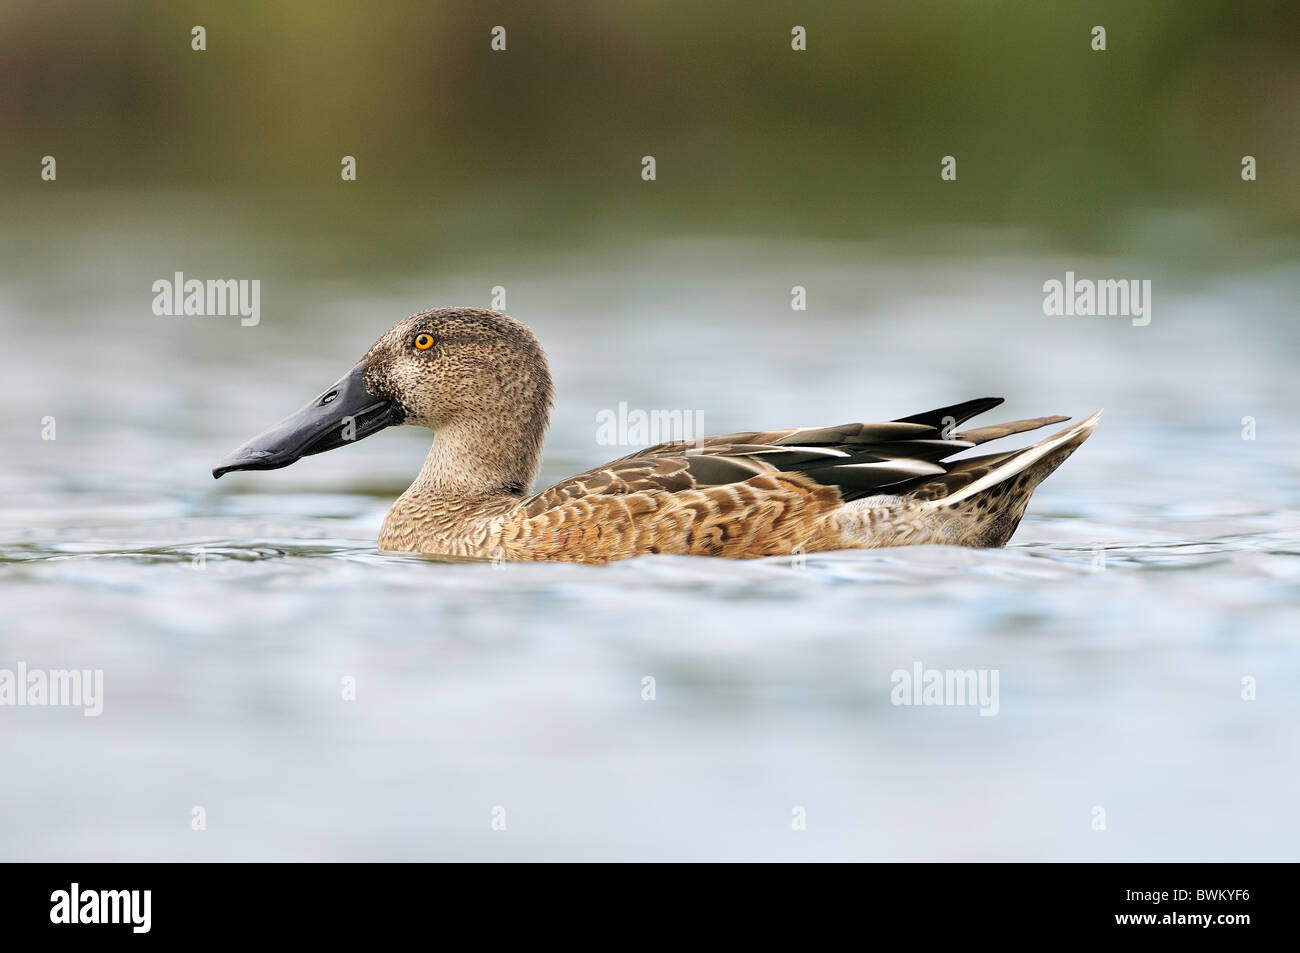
<point x="480" y="381"/>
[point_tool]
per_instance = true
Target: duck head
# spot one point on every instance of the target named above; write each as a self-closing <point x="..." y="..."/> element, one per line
<point x="477" y="378"/>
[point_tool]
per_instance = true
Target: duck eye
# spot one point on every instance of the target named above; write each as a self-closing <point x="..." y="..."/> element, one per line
<point x="423" y="342"/>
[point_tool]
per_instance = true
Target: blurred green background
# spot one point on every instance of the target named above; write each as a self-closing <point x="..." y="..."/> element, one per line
<point x="459" y="147"/>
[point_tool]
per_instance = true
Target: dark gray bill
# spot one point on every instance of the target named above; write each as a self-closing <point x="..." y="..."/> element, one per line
<point x="344" y="414"/>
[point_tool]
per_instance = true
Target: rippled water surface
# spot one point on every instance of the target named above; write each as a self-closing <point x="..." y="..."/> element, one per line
<point x="1157" y="570"/>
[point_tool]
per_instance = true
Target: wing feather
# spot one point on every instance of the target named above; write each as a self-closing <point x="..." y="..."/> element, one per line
<point x="857" y="459"/>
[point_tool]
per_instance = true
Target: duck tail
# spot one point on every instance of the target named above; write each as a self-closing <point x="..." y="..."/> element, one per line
<point x="985" y="497"/>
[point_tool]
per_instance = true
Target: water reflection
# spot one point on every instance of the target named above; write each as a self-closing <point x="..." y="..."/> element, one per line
<point x="1157" y="569"/>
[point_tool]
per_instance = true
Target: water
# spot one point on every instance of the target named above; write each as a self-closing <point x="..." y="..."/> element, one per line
<point x="1154" y="572"/>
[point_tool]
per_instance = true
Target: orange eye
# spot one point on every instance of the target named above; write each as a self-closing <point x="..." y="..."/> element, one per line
<point x="423" y="342"/>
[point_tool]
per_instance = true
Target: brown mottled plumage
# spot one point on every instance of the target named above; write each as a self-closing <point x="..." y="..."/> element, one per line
<point x="484" y="388"/>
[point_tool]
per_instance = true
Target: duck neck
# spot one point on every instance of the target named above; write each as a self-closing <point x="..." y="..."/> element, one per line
<point x="469" y="463"/>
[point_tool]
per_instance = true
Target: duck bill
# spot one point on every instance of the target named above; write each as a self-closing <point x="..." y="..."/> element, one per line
<point x="344" y="414"/>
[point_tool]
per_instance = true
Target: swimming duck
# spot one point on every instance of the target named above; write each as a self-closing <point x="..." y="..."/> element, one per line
<point x="479" y="380"/>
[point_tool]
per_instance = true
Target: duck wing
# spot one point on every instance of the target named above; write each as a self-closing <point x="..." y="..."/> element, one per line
<point x="857" y="459"/>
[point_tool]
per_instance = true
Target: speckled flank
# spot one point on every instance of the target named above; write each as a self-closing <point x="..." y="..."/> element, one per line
<point x="485" y="390"/>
